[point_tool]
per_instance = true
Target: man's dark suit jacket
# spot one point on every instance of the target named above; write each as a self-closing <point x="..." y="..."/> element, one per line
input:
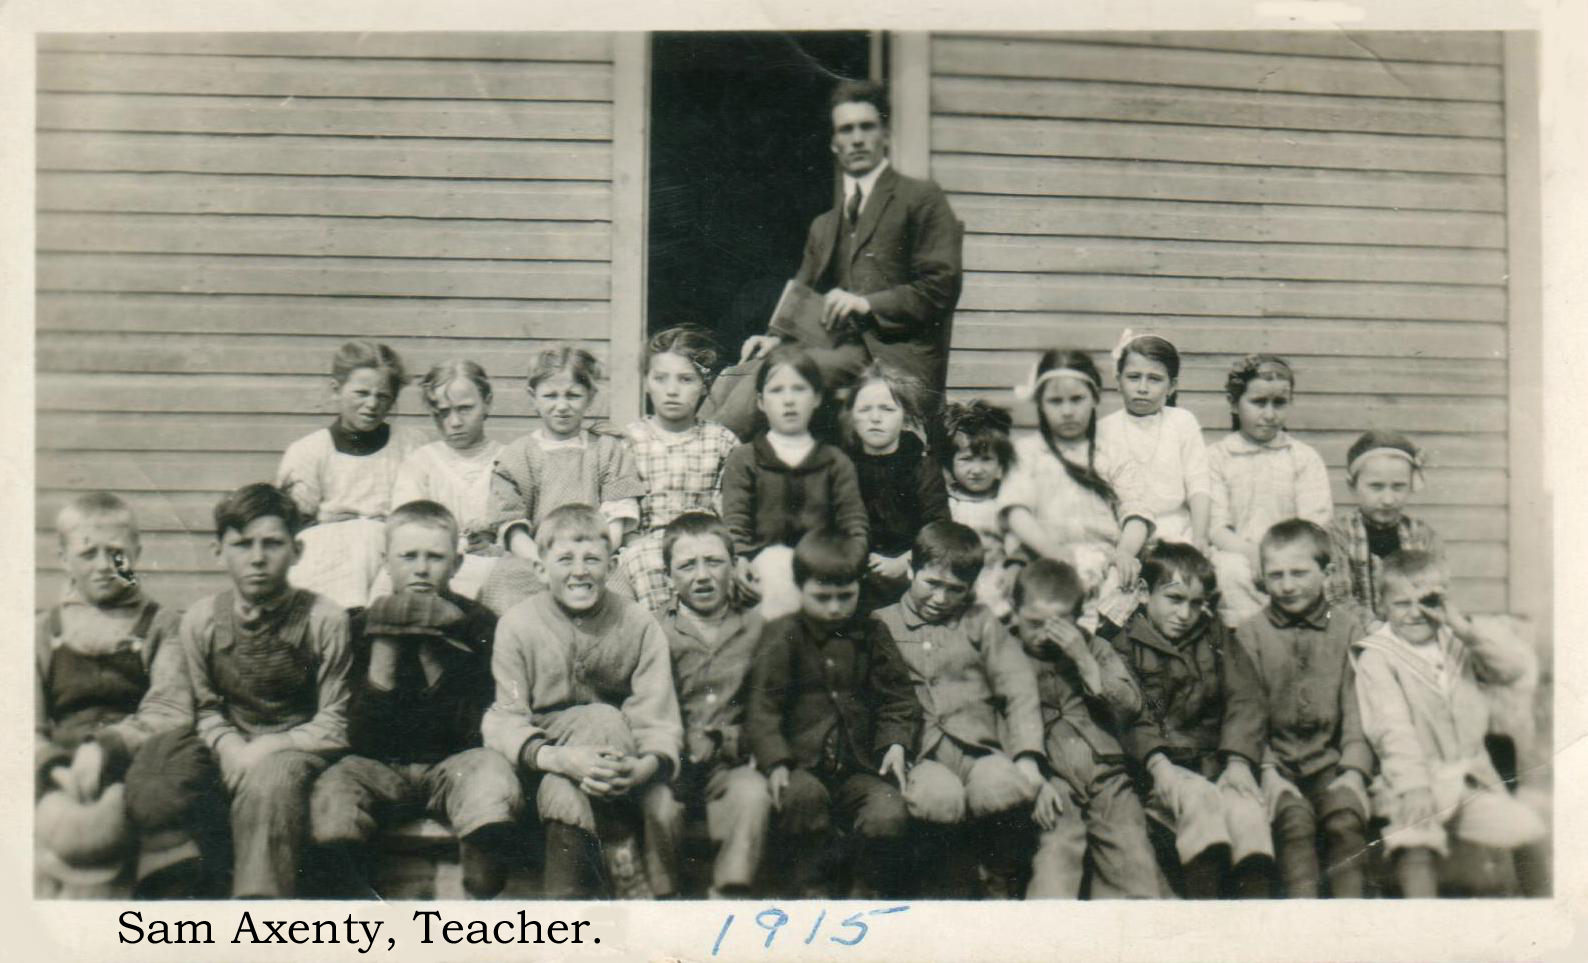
<point x="906" y="261"/>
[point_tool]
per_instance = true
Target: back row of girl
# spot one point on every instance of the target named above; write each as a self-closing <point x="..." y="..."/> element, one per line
<point x="1086" y="490"/>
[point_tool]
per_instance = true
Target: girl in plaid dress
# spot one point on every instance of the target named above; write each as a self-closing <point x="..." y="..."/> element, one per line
<point x="678" y="456"/>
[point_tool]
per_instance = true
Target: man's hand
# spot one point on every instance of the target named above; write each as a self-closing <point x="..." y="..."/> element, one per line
<point x="758" y="345"/>
<point x="777" y="782"/>
<point x="632" y="772"/>
<point x="87" y="772"/>
<point x="1237" y="776"/>
<point x="889" y="567"/>
<point x="839" y="306"/>
<point x="893" y="764"/>
<point x="592" y="768"/>
<point x="1418" y="806"/>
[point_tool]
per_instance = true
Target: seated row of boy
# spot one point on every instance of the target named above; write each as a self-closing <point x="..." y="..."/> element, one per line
<point x="828" y="712"/>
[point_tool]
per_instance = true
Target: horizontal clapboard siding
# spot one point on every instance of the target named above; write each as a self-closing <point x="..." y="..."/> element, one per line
<point x="1338" y="199"/>
<point x="217" y="213"/>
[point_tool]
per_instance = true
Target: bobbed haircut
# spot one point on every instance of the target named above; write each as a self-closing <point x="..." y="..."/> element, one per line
<point x="1407" y="564"/>
<point x="829" y="557"/>
<point x="94" y="507"/>
<point x="1293" y="531"/>
<point x="985" y="429"/>
<point x="949" y="543"/>
<point x="439" y="377"/>
<point x="791" y="355"/>
<point x="580" y="365"/>
<point x="906" y="390"/>
<point x="1051" y="580"/>
<point x="361" y="353"/>
<point x="422" y="512"/>
<point x="241" y="508"/>
<point x="1176" y="560"/>
<point x="694" y="524"/>
<point x="861" y="92"/>
<point x="574" y="520"/>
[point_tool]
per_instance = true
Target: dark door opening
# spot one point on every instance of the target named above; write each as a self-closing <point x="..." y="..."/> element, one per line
<point x="739" y="165"/>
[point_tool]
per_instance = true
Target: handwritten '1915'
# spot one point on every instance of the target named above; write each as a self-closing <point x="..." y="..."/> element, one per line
<point x="773" y="919"/>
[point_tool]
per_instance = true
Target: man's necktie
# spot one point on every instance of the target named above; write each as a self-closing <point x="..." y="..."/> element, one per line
<point x="852" y="209"/>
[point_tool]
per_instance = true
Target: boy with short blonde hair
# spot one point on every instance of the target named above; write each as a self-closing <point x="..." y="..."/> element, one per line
<point x="1417" y="683"/>
<point x="421" y="681"/>
<point x="584" y="706"/>
<point x="1293" y="711"/>
<point x="108" y="677"/>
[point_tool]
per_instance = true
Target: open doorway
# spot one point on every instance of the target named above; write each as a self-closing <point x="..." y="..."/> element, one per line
<point x="739" y="165"/>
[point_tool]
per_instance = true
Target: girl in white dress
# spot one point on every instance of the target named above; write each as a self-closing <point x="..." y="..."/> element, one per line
<point x="342" y="475"/>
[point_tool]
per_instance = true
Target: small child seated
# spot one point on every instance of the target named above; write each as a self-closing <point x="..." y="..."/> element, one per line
<point x="1178" y="649"/>
<point x="1383" y="469"/>
<point x="977" y="457"/>
<point x="1087" y="694"/>
<point x="341" y="477"/>
<point x="562" y="462"/>
<point x="421" y="680"/>
<point x="1292" y="708"/>
<point x="1418" y="679"/>
<point x="1259" y="476"/>
<point x="713" y="643"/>
<point x="833" y="720"/>
<point x="584" y="707"/>
<point x="901" y="485"/>
<point x="109" y="675"/>
<point x="970" y="675"/>
<point x="268" y="665"/>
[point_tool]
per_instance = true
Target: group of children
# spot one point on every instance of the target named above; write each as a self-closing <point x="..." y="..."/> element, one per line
<point x="1099" y="660"/>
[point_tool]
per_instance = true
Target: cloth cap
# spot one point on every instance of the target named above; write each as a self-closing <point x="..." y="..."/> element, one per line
<point x="409" y="614"/>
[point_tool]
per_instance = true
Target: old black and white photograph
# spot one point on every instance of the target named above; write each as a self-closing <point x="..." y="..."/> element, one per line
<point x="770" y="465"/>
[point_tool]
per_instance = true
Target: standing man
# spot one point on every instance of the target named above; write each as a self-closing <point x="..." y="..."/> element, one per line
<point x="886" y="260"/>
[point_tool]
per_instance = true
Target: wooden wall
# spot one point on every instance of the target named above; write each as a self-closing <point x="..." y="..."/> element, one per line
<point x="217" y="213"/>
<point x="1336" y="199"/>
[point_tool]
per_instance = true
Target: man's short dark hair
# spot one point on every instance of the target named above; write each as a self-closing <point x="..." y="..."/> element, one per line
<point x="861" y="92"/>
<point x="1293" y="530"/>
<point x="945" y="542"/>
<point x="830" y="557"/>
<point x="694" y="524"/>
<point x="250" y="503"/>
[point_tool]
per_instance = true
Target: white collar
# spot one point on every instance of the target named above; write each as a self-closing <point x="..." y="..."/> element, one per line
<point x="866" y="182"/>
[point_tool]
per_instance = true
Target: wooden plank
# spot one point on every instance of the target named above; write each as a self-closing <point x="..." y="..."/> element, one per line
<point x="630" y="209"/>
<point x="1367" y="372"/>
<point x="1177" y="220"/>
<point x="1441" y="46"/>
<point x="1216" y="145"/>
<point x="243" y="394"/>
<point x="398" y="277"/>
<point x="1221" y="296"/>
<point x="1480" y="524"/>
<point x="982" y="173"/>
<point x="1532" y="535"/>
<point x="313" y="77"/>
<point x="162" y="193"/>
<point x="1342" y="413"/>
<point x="300" y="236"/>
<point x="1273" y="334"/>
<point x="424" y="45"/>
<point x="1227" y="259"/>
<point x="156" y="472"/>
<point x="348" y="317"/>
<point x="1058" y="59"/>
<point x="157" y="113"/>
<point x="274" y="354"/>
<point x="236" y="431"/>
<point x="408" y="157"/>
<point x="1081" y="100"/>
